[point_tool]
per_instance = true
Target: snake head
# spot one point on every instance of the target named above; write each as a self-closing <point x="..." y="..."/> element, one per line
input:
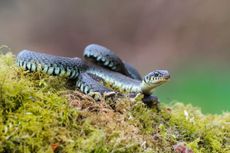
<point x="154" y="79"/>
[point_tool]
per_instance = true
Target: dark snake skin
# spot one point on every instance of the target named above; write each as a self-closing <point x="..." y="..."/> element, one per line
<point x="102" y="64"/>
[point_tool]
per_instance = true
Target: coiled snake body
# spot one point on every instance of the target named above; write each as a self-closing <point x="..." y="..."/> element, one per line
<point x="101" y="66"/>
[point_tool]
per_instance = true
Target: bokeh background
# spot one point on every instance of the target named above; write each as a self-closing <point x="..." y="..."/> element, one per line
<point x="189" y="38"/>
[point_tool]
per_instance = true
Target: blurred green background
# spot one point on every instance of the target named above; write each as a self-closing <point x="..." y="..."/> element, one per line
<point x="204" y="86"/>
<point x="189" y="38"/>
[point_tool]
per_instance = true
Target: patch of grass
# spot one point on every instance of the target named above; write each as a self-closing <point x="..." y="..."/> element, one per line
<point x="39" y="113"/>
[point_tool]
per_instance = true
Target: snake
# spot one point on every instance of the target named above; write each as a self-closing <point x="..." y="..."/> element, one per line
<point x="99" y="74"/>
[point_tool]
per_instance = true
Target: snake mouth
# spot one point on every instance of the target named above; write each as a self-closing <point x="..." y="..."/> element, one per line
<point x="167" y="77"/>
<point x="160" y="79"/>
<point x="164" y="78"/>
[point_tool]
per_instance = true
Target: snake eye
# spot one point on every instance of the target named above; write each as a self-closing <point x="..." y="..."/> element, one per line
<point x="156" y="74"/>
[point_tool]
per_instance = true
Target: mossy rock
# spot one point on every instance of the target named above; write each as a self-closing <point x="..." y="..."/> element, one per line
<point x="41" y="113"/>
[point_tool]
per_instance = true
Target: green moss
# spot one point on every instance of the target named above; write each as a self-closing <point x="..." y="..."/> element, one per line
<point x="40" y="113"/>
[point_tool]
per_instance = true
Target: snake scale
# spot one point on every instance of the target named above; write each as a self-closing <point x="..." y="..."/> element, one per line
<point x="100" y="67"/>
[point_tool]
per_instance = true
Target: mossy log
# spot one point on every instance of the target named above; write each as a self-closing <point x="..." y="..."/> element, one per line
<point x="41" y="113"/>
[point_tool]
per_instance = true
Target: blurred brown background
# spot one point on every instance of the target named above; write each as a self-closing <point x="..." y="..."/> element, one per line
<point x="175" y="35"/>
<point x="157" y="33"/>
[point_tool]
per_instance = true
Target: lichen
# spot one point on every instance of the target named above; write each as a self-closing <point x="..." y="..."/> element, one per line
<point x="41" y="113"/>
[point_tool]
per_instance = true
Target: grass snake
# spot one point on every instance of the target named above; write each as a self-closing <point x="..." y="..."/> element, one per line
<point x="100" y="66"/>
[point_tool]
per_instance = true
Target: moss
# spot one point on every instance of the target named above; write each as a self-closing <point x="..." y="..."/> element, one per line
<point x="40" y="113"/>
